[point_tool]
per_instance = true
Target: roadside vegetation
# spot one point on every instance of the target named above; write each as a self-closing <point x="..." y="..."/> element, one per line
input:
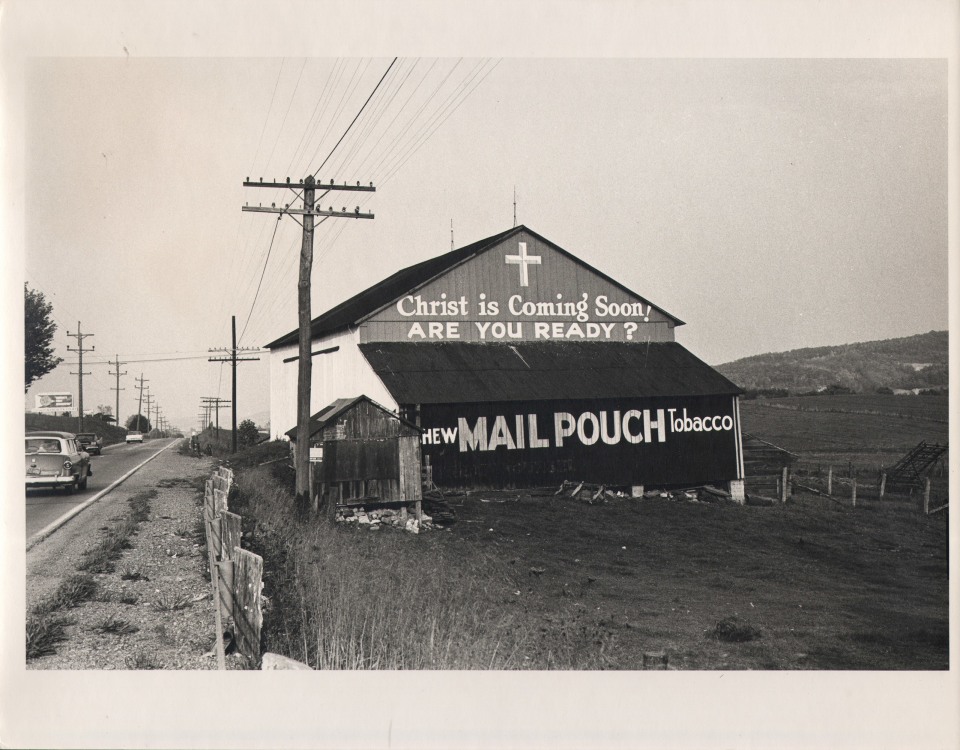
<point x="107" y="430"/>
<point x="46" y="620"/>
<point x="526" y="580"/>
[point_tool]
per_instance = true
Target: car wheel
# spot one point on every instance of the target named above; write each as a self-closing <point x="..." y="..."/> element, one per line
<point x="69" y="488"/>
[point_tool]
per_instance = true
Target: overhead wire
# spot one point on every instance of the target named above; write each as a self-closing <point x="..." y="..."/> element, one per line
<point x="390" y="159"/>
<point x="333" y="150"/>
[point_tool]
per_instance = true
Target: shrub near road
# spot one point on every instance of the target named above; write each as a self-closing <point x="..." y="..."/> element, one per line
<point x="535" y="581"/>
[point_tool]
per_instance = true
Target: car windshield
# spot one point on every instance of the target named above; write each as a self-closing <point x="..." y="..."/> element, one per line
<point x="43" y="445"/>
<point x="85" y="436"/>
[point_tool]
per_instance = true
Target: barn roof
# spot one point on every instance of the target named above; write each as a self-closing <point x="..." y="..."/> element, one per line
<point x="370" y="300"/>
<point x="334" y="410"/>
<point x="460" y="372"/>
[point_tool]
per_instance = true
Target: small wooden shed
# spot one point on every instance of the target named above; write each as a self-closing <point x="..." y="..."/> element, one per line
<point x="367" y="455"/>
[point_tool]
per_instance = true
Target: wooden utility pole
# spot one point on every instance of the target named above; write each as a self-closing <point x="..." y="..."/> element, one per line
<point x="215" y="403"/>
<point x="117" y="364"/>
<point x="233" y="359"/>
<point x="309" y="186"/>
<point x="149" y="399"/>
<point x="80" y="350"/>
<point x="139" y="387"/>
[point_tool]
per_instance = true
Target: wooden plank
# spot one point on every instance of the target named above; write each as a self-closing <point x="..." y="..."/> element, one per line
<point x="216" y="536"/>
<point x="247" y="612"/>
<point x="215" y="593"/>
<point x="208" y="499"/>
<point x="219" y="502"/>
<point x="225" y="599"/>
<point x="229" y="535"/>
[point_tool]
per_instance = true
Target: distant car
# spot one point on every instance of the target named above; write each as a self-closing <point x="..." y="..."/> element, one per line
<point x="134" y="436"/>
<point x="56" y="459"/>
<point x="90" y="442"/>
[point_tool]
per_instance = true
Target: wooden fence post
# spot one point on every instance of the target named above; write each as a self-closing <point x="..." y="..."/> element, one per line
<point x="784" y="485"/>
<point x="219" y="502"/>
<point x="215" y="593"/>
<point x="853" y="492"/>
<point x="829" y="480"/>
<point x="926" y="497"/>
<point x="229" y="534"/>
<point x="883" y="483"/>
<point x="225" y="592"/>
<point x="208" y="499"/>
<point x="247" y="612"/>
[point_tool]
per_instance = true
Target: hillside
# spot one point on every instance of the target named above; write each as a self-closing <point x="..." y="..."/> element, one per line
<point x="911" y="362"/>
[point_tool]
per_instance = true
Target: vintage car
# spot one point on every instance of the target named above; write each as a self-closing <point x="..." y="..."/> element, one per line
<point x="134" y="436"/>
<point x="56" y="459"/>
<point x="90" y="442"/>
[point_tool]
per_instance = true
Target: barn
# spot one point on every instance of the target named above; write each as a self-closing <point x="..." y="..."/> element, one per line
<point x="524" y="366"/>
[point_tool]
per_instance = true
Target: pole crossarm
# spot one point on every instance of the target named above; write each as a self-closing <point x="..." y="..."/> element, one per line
<point x="356" y="214"/>
<point x="319" y="185"/>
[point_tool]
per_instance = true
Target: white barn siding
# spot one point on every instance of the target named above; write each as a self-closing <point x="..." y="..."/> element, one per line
<point x="341" y="374"/>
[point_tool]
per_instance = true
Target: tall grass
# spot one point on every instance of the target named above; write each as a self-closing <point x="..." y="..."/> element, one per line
<point x="345" y="598"/>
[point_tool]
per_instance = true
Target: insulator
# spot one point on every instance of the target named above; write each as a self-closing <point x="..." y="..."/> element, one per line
<point x="273" y="205"/>
<point x="288" y="180"/>
<point x="344" y="209"/>
<point x="358" y="183"/>
<point x="331" y="182"/>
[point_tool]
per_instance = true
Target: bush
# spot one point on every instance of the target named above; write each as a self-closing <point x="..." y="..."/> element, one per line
<point x="247" y="434"/>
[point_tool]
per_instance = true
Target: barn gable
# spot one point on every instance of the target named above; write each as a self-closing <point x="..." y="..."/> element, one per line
<point x="497" y="288"/>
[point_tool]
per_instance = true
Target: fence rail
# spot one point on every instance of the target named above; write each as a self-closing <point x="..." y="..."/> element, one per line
<point x="854" y="487"/>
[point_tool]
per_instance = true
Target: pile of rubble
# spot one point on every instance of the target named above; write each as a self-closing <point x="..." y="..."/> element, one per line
<point x="374" y="519"/>
<point x="598" y="493"/>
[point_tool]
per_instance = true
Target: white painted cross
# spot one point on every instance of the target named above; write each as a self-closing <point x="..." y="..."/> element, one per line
<point x="523" y="260"/>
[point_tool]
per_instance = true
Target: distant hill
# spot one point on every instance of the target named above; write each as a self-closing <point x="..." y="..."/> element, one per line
<point x="912" y="362"/>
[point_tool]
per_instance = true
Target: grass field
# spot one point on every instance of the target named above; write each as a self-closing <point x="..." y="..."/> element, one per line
<point x="524" y="580"/>
<point x="867" y="430"/>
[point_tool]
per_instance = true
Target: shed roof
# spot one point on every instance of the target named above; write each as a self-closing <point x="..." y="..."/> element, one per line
<point x="462" y="372"/>
<point x="334" y="410"/>
<point x="352" y="311"/>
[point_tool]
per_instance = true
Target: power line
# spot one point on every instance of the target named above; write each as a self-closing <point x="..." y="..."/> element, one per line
<point x="265" y="262"/>
<point x="356" y="117"/>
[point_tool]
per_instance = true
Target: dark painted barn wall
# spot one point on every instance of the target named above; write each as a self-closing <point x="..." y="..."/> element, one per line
<point x="640" y="441"/>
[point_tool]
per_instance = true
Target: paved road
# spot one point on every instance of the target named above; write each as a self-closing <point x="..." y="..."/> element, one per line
<point x="46" y="506"/>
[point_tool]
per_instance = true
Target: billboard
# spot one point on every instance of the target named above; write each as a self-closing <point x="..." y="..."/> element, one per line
<point x="54" y="402"/>
<point x="660" y="442"/>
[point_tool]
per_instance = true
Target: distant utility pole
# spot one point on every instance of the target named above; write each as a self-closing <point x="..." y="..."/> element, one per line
<point x="80" y="350"/>
<point x="309" y="186"/>
<point x="233" y="358"/>
<point x="139" y="387"/>
<point x="216" y="403"/>
<point x="149" y="399"/>
<point x="117" y="364"/>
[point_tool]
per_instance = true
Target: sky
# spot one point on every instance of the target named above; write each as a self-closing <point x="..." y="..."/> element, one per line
<point x="770" y="204"/>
